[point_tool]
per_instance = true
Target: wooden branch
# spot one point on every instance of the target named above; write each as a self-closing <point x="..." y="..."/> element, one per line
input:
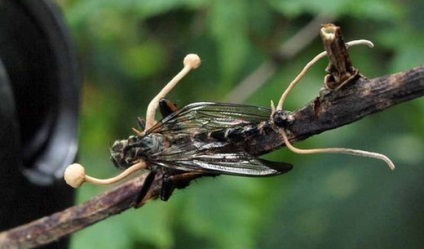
<point x="360" y="98"/>
<point x="55" y="226"/>
<point x="330" y="110"/>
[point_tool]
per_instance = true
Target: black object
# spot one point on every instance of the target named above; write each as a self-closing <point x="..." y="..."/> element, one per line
<point x="39" y="92"/>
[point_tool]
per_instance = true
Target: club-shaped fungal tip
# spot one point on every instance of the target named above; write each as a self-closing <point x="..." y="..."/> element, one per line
<point x="75" y="175"/>
<point x="192" y="60"/>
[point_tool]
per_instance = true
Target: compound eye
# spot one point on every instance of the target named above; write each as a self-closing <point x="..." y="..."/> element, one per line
<point x="132" y="139"/>
<point x="117" y="146"/>
<point x="117" y="152"/>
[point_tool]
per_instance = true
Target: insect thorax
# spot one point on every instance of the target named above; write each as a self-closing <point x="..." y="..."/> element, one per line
<point x="126" y="152"/>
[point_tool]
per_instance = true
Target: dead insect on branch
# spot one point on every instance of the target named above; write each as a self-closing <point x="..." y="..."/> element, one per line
<point x="207" y="139"/>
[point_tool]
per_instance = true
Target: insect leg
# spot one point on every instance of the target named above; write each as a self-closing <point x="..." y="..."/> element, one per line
<point x="178" y="180"/>
<point x="167" y="187"/>
<point x="145" y="188"/>
<point x="166" y="107"/>
<point x="141" y="123"/>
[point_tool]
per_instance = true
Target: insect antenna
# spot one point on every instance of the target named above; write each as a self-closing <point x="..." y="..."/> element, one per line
<point x="279" y="107"/>
<point x="141" y="123"/>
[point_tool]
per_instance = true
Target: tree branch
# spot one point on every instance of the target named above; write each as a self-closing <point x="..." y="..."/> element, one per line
<point x="55" y="226"/>
<point x="331" y="109"/>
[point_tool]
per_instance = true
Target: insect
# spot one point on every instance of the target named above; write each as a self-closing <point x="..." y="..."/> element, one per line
<point x="205" y="139"/>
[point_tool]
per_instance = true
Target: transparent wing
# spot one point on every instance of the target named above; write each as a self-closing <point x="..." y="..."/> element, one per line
<point x="224" y="160"/>
<point x="212" y="156"/>
<point x="208" y="116"/>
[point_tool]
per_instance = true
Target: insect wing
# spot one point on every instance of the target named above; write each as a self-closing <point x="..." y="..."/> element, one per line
<point x="224" y="160"/>
<point x="214" y="157"/>
<point x="208" y="116"/>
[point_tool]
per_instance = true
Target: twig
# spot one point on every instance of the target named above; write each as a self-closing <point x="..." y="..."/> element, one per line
<point x="339" y="73"/>
<point x="333" y="109"/>
<point x="55" y="226"/>
<point x="330" y="110"/>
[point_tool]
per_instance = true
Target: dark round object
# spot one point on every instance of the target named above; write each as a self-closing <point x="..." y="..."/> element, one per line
<point x="39" y="91"/>
<point x="40" y="64"/>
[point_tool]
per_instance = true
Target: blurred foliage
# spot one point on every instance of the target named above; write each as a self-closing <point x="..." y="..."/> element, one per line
<point x="129" y="49"/>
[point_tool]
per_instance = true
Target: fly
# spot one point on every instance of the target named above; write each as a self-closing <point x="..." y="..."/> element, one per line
<point x="206" y="139"/>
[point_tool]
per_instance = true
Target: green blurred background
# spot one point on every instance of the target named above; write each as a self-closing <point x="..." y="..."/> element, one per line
<point x="129" y="49"/>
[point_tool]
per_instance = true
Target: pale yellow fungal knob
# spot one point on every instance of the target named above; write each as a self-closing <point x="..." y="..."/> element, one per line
<point x="192" y="61"/>
<point x="75" y="175"/>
